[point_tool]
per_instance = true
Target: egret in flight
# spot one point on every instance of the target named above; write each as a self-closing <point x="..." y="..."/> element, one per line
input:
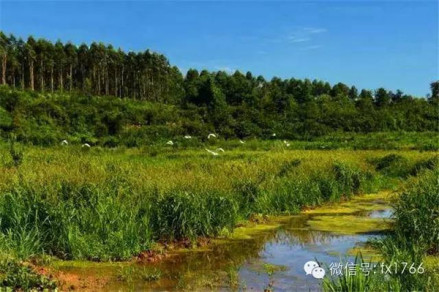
<point x="212" y="152"/>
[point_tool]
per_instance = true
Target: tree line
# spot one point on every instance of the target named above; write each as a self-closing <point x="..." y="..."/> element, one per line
<point x="99" y="69"/>
<point x="236" y="105"/>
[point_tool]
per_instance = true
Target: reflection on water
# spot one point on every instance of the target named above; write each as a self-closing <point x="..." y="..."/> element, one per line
<point x="386" y="213"/>
<point x="293" y="249"/>
<point x="242" y="264"/>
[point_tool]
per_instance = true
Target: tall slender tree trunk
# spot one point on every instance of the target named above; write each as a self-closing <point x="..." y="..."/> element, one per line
<point x="5" y="57"/>
<point x="107" y="84"/>
<point x="93" y="83"/>
<point x="84" y="79"/>
<point x="81" y="70"/>
<point x="60" y="80"/>
<point x="99" y="84"/>
<point x="71" y="77"/>
<point x="115" y="83"/>
<point x="31" y="75"/>
<point x="143" y="89"/>
<point x="51" y="80"/>
<point x="42" y="76"/>
<point x="121" y="83"/>
<point x="22" y="77"/>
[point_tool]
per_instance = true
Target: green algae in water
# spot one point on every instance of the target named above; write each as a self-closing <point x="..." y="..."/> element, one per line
<point x="349" y="218"/>
<point x="348" y="224"/>
<point x="359" y="204"/>
<point x="222" y="264"/>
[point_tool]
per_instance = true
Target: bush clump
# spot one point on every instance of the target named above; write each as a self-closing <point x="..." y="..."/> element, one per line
<point x="392" y="165"/>
<point x="430" y="163"/>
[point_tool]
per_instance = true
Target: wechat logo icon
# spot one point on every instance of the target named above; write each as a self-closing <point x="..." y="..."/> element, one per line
<point x="313" y="268"/>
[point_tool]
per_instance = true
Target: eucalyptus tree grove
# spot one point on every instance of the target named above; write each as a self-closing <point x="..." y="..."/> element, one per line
<point x="235" y="105"/>
<point x="96" y="69"/>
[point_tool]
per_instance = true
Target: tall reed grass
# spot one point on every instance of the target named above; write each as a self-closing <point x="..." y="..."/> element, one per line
<point x="112" y="204"/>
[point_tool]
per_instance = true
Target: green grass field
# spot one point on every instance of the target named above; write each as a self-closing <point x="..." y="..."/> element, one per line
<point x="103" y="204"/>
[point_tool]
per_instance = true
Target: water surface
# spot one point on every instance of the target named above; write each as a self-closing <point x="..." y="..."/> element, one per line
<point x="271" y="258"/>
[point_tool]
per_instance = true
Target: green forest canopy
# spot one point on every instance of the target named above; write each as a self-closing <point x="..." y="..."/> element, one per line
<point x="53" y="90"/>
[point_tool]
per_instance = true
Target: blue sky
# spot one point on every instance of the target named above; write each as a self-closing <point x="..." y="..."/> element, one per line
<point x="393" y="44"/>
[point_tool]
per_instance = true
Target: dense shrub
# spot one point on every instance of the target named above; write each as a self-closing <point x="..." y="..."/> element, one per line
<point x="47" y="118"/>
<point x="430" y="163"/>
<point x="5" y="119"/>
<point x="392" y="164"/>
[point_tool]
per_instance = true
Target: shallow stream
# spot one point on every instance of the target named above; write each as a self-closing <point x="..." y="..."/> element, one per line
<point x="255" y="258"/>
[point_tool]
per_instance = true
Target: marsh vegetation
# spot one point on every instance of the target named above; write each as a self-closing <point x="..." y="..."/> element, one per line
<point x="107" y="156"/>
<point x="102" y="204"/>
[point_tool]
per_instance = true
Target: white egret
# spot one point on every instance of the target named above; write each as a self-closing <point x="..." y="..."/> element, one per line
<point x="64" y="142"/>
<point x="212" y="152"/>
<point x="187" y="137"/>
<point x="170" y="143"/>
<point x="211" y="135"/>
<point x="242" y="142"/>
<point x="86" y="145"/>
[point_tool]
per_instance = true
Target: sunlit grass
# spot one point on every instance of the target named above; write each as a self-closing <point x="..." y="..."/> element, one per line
<point x="110" y="204"/>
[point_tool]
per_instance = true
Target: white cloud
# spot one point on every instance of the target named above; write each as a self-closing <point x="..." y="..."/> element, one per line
<point x="226" y="69"/>
<point x="313" y="30"/>
<point x="302" y="34"/>
<point x="294" y="36"/>
<point x="295" y="39"/>
<point x="311" y="47"/>
<point x="305" y="35"/>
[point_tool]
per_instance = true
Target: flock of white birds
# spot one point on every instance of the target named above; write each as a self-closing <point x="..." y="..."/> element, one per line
<point x="171" y="143"/>
<point x="216" y="153"/>
<point x="65" y="143"/>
